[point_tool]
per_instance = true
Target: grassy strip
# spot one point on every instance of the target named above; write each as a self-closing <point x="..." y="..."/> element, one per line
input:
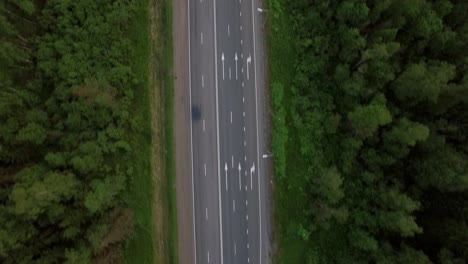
<point x="139" y="194"/>
<point x="282" y="57"/>
<point x="169" y="125"/>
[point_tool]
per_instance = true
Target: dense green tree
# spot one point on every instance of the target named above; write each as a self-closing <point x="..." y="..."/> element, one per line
<point x="380" y="122"/>
<point x="65" y="107"/>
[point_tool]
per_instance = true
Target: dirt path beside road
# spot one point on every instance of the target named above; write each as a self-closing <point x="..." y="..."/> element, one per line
<point x="182" y="132"/>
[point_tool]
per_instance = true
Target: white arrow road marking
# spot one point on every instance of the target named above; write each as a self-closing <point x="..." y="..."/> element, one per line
<point x="222" y="59"/>
<point x="239" y="168"/>
<point x="249" y="60"/>
<point x="235" y="58"/>
<point x="252" y="171"/>
<point x="226" y="169"/>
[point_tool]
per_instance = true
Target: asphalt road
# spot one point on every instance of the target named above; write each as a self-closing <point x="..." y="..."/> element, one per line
<point x="227" y="140"/>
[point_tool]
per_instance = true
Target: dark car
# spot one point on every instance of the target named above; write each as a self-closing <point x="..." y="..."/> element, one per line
<point x="196" y="112"/>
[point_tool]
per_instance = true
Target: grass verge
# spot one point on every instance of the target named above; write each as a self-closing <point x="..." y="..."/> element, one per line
<point x="151" y="192"/>
<point x="138" y="196"/>
<point x="169" y="125"/>
<point x="282" y="57"/>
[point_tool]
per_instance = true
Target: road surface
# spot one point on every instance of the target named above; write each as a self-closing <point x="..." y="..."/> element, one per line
<point x="226" y="84"/>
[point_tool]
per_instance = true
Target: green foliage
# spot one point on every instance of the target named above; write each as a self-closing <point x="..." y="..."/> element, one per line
<point x="66" y="93"/>
<point x="280" y="132"/>
<point x="420" y="82"/>
<point x="377" y="98"/>
<point x="367" y="119"/>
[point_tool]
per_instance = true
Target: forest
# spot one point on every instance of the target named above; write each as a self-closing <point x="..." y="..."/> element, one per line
<point x="370" y="127"/>
<point x="68" y="122"/>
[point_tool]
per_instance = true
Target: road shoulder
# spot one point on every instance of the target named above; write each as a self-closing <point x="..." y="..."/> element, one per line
<point x="181" y="132"/>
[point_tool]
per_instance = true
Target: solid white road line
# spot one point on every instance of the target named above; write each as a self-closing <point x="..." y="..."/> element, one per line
<point x="191" y="135"/>
<point x="217" y="130"/>
<point x="256" y="124"/>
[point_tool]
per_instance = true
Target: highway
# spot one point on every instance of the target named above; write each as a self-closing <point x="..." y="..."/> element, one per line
<point x="226" y="86"/>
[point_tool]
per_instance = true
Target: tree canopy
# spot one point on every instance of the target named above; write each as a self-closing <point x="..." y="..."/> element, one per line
<point x="66" y="95"/>
<point x="378" y="130"/>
